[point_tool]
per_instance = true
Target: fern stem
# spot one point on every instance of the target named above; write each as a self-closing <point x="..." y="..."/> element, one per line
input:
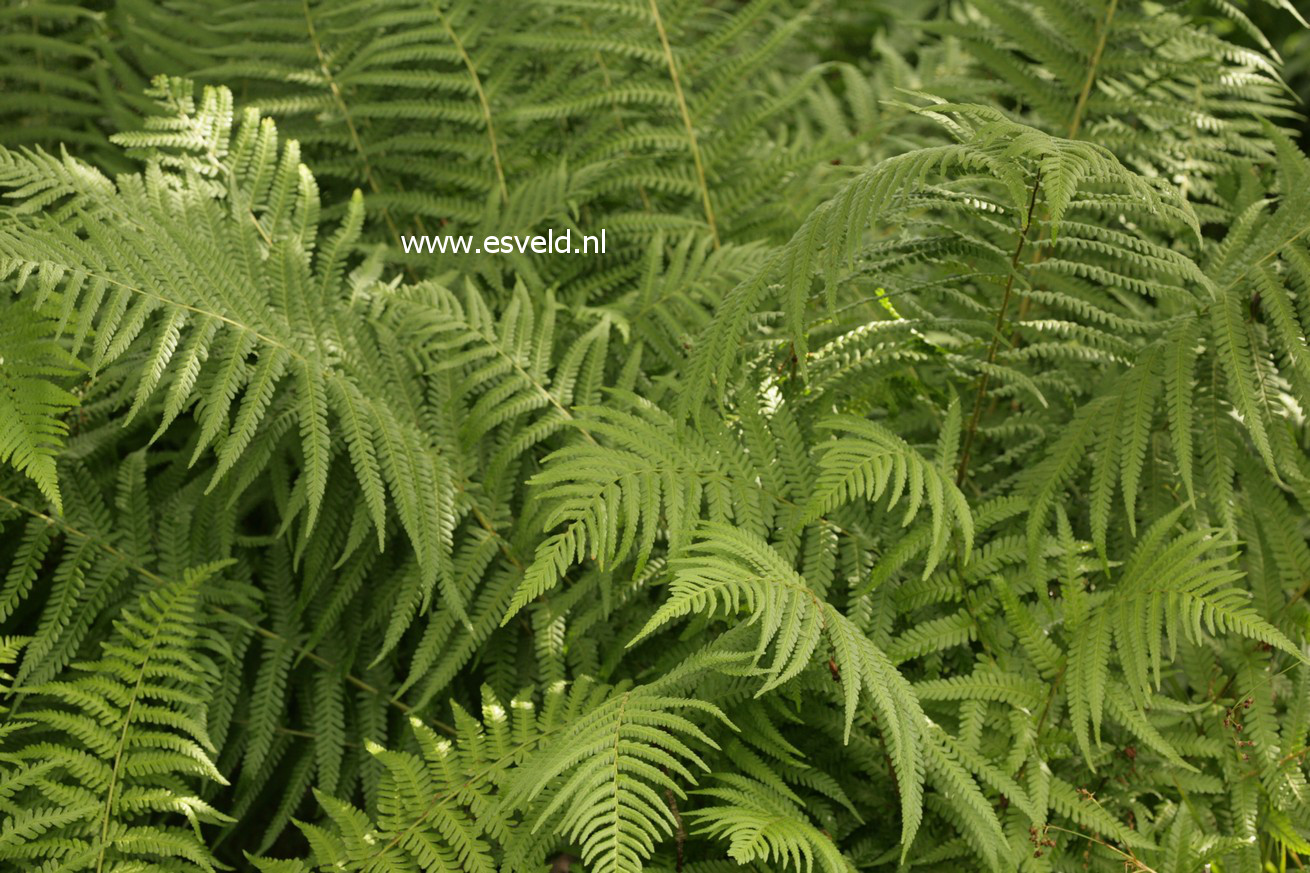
<point x="618" y="754"/>
<point x="345" y="114"/>
<point x="686" y="123"/>
<point x="981" y="395"/>
<point x="680" y="834"/>
<point x="614" y="108"/>
<point x="483" y="103"/>
<point x="1086" y="92"/>
<point x="116" y="770"/>
<point x="1075" y="125"/>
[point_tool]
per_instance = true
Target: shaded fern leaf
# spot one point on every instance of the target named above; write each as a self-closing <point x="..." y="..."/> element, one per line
<point x="1170" y="588"/>
<point x="122" y="742"/>
<point x="764" y="825"/>
<point x="32" y="364"/>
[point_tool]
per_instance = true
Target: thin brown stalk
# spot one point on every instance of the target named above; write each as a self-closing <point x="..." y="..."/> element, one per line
<point x="686" y="122"/>
<point x="993" y="349"/>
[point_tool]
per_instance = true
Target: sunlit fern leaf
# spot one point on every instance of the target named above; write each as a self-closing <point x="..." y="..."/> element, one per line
<point x="10" y="647"/>
<point x="207" y="264"/>
<point x="959" y="793"/>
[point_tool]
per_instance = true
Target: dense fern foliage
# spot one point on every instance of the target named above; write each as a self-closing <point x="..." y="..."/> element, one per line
<point x="919" y="478"/>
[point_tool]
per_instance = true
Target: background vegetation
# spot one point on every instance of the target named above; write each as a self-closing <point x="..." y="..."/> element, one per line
<point x="918" y="481"/>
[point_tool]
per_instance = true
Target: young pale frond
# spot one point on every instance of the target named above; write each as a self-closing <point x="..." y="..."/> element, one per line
<point x="208" y="265"/>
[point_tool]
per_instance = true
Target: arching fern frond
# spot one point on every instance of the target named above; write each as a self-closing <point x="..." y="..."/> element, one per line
<point x="760" y="824"/>
<point x="592" y="762"/>
<point x="994" y="159"/>
<point x="866" y="460"/>
<point x="726" y="570"/>
<point x="208" y="266"/>
<point x="1170" y="588"/>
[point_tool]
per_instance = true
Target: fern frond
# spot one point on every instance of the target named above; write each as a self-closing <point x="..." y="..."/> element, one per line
<point x="123" y="741"/>
<point x="32" y="400"/>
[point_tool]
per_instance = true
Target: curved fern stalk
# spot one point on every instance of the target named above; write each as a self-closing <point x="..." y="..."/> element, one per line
<point x="106" y="752"/>
<point x="687" y="124"/>
<point x="725" y="570"/>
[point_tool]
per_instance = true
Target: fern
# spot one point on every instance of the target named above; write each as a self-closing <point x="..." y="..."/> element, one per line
<point x="103" y="752"/>
<point x="32" y="401"/>
<point x="917" y="480"/>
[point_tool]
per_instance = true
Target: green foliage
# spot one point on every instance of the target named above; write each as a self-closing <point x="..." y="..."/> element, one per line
<point x="31" y="402"/>
<point x="918" y="480"/>
<point x="101" y="757"/>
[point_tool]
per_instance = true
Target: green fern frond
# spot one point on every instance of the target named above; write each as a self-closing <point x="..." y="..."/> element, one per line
<point x="32" y="364"/>
<point x="123" y="741"/>
<point x="762" y="825"/>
